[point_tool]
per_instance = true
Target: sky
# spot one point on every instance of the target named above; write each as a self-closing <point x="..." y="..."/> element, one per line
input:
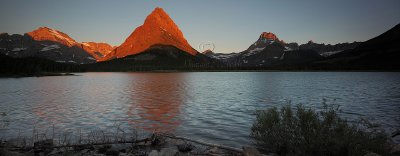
<point x="231" y="25"/>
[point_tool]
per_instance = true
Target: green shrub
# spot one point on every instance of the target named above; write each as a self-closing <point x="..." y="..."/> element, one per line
<point x="304" y="131"/>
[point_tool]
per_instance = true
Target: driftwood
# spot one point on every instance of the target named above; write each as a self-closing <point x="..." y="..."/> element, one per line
<point x="203" y="143"/>
<point x="106" y="143"/>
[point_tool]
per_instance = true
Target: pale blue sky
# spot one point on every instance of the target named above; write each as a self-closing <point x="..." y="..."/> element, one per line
<point x="232" y="25"/>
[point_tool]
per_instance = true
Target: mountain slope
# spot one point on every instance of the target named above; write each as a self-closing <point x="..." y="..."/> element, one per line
<point x="327" y="50"/>
<point x="97" y="50"/>
<point x="158" y="28"/>
<point x="381" y="52"/>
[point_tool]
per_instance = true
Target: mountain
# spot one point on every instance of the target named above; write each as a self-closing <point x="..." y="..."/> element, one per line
<point x="265" y="39"/>
<point x="268" y="50"/>
<point x="47" y="34"/>
<point x="327" y="50"/>
<point x="381" y="52"/>
<point x="157" y="29"/>
<point x="52" y="44"/>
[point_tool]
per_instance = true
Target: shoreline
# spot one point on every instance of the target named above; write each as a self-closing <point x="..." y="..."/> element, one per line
<point x="44" y="74"/>
<point x="154" y="145"/>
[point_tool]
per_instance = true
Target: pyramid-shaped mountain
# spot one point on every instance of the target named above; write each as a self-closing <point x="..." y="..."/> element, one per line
<point x="158" y="29"/>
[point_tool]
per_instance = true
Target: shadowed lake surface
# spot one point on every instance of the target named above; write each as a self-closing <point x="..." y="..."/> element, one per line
<point x="217" y="107"/>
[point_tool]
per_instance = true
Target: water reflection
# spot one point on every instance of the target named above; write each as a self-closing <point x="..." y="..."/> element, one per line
<point x="157" y="101"/>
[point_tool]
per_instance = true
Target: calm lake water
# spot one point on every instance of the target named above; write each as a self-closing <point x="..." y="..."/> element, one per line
<point x="217" y="107"/>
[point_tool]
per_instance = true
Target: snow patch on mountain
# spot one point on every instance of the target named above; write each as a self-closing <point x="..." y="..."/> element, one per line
<point x="50" y="47"/>
<point x="19" y="49"/>
<point x="287" y="49"/>
<point x="326" y="54"/>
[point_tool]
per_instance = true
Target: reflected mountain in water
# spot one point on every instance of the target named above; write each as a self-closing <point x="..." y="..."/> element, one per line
<point x="157" y="102"/>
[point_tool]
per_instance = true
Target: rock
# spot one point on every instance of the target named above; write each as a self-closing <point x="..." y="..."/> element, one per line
<point x="250" y="151"/>
<point x="153" y="153"/>
<point x="120" y="147"/>
<point x="126" y="154"/>
<point x="139" y="153"/>
<point x="182" y="154"/>
<point x="371" y="154"/>
<point x="82" y="147"/>
<point x="214" y="151"/>
<point x="112" y="152"/>
<point x="83" y="152"/>
<point x="103" y="149"/>
<point x="395" y="150"/>
<point x="4" y="152"/>
<point x="168" y="152"/>
<point x="186" y="147"/>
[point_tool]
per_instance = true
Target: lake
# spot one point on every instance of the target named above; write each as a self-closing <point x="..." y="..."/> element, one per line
<point x="216" y="107"/>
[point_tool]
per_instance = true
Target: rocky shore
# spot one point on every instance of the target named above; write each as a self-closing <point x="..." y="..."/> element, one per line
<point x="156" y="145"/>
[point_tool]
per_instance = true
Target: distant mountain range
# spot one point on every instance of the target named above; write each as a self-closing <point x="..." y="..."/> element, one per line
<point x="159" y="44"/>
<point x="269" y="50"/>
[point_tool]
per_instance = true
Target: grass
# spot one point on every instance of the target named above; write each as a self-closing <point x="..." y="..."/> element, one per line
<point x="304" y="131"/>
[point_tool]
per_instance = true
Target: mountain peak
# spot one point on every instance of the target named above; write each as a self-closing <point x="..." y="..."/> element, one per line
<point x="157" y="29"/>
<point x="48" y="34"/>
<point x="158" y="10"/>
<point x="158" y="14"/>
<point x="268" y="36"/>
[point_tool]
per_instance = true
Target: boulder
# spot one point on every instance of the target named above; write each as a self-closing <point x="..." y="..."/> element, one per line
<point x="251" y="151"/>
<point x="185" y="147"/>
<point x="168" y="152"/>
<point x="153" y="153"/>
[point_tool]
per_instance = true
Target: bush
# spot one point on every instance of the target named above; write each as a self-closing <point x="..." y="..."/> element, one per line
<point x="304" y="131"/>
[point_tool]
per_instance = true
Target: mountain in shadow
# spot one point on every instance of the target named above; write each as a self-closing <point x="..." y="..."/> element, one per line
<point x="379" y="53"/>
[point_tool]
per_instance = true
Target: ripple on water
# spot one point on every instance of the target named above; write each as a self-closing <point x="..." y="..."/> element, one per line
<point x="217" y="107"/>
